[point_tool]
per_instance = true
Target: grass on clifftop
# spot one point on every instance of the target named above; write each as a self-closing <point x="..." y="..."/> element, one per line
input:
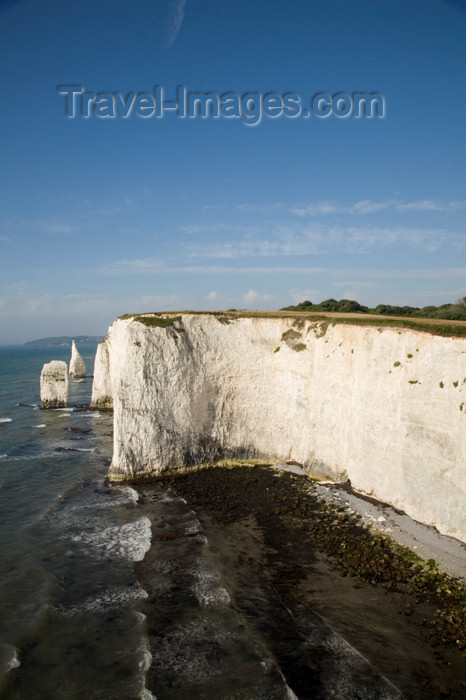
<point x="425" y="325"/>
<point x="154" y="320"/>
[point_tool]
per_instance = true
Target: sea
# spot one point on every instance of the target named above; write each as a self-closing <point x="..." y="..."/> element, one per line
<point x="70" y="624"/>
<point x="93" y="605"/>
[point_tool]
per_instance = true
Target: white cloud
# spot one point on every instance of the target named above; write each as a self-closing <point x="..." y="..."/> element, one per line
<point x="132" y="267"/>
<point x="250" y="297"/>
<point x="175" y="21"/>
<point x="317" y="238"/>
<point x="430" y="205"/>
<point x="317" y="209"/>
<point x="155" y="267"/>
<point x="367" y="206"/>
<point x="259" y="208"/>
<point x="59" y="228"/>
<point x="253" y="297"/>
<point x="211" y="296"/>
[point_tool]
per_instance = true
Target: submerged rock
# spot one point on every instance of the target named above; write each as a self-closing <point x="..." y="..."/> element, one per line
<point x="77" y="365"/>
<point x="54" y="385"/>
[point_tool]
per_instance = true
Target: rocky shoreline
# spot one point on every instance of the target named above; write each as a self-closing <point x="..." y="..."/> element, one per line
<point x="401" y="613"/>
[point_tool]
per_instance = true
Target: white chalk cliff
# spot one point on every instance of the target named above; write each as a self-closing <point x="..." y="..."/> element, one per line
<point x="77" y="365"/>
<point x="54" y="385"/>
<point x="384" y="407"/>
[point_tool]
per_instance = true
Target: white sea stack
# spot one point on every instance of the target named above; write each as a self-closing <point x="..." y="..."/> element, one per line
<point x="385" y="407"/>
<point x="77" y="366"/>
<point x="54" y="385"/>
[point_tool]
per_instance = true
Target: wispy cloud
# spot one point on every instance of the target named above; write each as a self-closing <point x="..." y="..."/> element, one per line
<point x="253" y="297"/>
<point x="367" y="206"/>
<point x="149" y="266"/>
<point x="204" y="228"/>
<point x="317" y="209"/>
<point x="268" y="208"/>
<point x="316" y="239"/>
<point x="175" y="20"/>
<point x="58" y="228"/>
<point x="430" y="205"/>
<point x="134" y="266"/>
<point x="155" y="267"/>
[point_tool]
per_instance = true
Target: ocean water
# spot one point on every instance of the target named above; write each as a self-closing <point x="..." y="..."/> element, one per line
<point x="109" y="591"/>
<point x="70" y="620"/>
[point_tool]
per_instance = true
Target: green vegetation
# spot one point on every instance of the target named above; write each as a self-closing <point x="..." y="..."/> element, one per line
<point x="299" y="347"/>
<point x="322" y="330"/>
<point x="455" y="384"/>
<point x="396" y="364"/>
<point x="290" y="335"/>
<point x="223" y="319"/>
<point x="409" y="355"/>
<point x="448" y="329"/>
<point x="157" y="321"/>
<point x="452" y="312"/>
<point x="342" y="306"/>
<point x="413" y="381"/>
<point x="277" y="349"/>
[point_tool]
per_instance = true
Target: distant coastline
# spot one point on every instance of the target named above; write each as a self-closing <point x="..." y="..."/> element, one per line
<point x="63" y="340"/>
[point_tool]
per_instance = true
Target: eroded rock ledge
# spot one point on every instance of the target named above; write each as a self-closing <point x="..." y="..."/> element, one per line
<point x="384" y="407"/>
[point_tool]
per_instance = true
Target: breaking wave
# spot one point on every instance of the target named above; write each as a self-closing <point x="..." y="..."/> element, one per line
<point x="129" y="541"/>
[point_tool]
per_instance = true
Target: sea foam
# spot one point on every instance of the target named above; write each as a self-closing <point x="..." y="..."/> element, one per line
<point x="115" y="597"/>
<point x="129" y="541"/>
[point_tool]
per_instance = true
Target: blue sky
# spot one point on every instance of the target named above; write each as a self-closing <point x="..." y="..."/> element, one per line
<point x="101" y="217"/>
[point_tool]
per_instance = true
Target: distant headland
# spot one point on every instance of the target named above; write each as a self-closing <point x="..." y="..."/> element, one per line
<point x="64" y="340"/>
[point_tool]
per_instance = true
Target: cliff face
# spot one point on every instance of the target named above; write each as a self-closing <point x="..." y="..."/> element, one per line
<point x="383" y="407"/>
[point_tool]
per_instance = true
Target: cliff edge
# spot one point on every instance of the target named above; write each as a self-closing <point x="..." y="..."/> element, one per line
<point x="384" y="407"/>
